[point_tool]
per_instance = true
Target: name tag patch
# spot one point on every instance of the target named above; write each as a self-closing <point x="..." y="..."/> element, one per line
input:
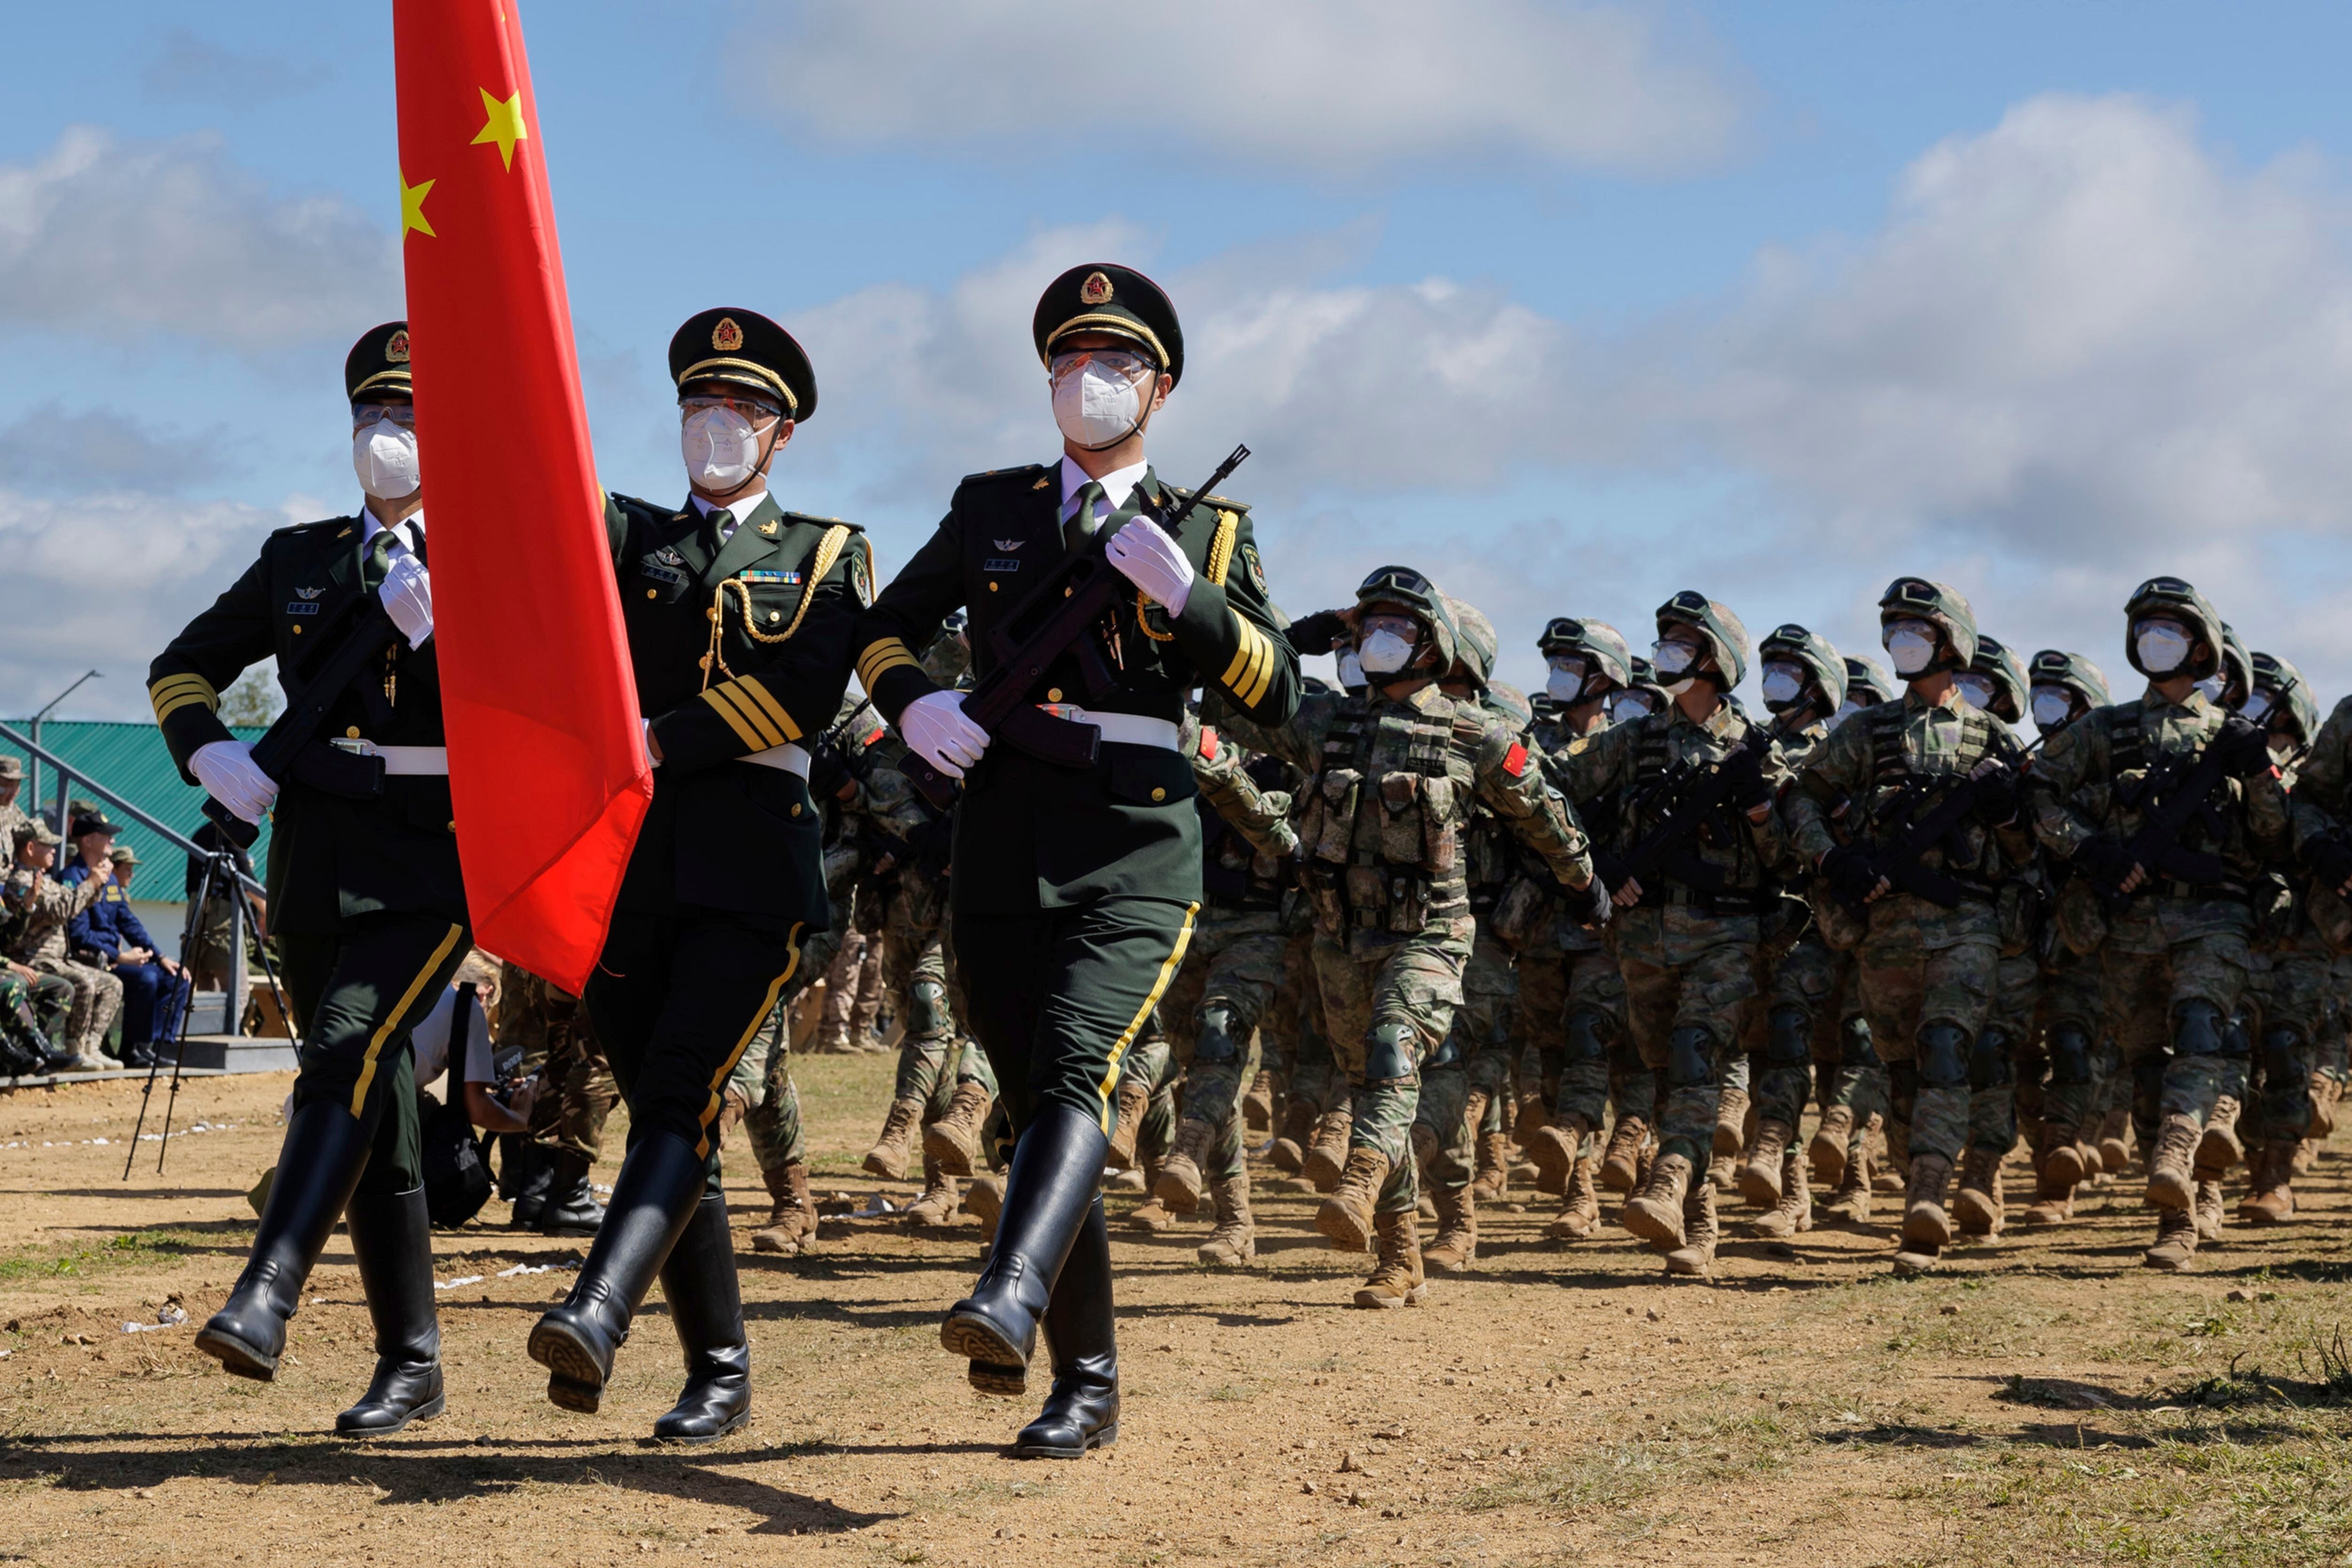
<point x="787" y="578"/>
<point x="999" y="563"/>
<point x="303" y="607"/>
<point x="670" y="575"/>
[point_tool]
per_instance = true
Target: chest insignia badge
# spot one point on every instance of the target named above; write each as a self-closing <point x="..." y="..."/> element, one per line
<point x="309" y="592"/>
<point x="1008" y="546"/>
<point x="788" y="579"/>
<point x="668" y="557"/>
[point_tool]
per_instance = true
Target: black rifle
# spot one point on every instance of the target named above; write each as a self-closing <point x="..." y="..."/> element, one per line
<point x="365" y="631"/>
<point x="1057" y="616"/>
<point x="1695" y="790"/>
<point x="2179" y="794"/>
<point x="1899" y="864"/>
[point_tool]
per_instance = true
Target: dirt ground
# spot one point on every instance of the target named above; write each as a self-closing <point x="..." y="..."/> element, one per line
<point x="2043" y="1401"/>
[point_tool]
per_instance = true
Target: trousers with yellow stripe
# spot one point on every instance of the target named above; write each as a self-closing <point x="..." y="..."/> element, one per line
<point x="357" y="993"/>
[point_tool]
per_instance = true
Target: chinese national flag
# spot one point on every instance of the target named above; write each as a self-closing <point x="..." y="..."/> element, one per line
<point x="546" y="762"/>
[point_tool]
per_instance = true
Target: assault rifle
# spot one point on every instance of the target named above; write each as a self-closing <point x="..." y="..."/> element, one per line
<point x="1899" y="864"/>
<point x="2178" y="792"/>
<point x="1058" y="616"/>
<point x="1694" y="791"/>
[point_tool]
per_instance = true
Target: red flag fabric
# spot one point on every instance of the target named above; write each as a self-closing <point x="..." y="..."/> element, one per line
<point x="547" y="765"/>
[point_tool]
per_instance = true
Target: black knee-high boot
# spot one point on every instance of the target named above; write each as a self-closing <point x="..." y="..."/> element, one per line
<point x="392" y="1238"/>
<point x="1056" y="1173"/>
<point x="706" y="1307"/>
<point x="660" y="1184"/>
<point x="318" y="1167"/>
<point x="1082" y="1335"/>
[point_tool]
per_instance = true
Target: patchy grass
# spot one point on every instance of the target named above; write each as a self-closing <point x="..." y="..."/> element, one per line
<point x="132" y="1249"/>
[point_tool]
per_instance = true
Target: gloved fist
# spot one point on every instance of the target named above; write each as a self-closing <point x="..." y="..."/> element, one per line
<point x="1315" y="634"/>
<point x="407" y="597"/>
<point x="227" y="770"/>
<point x="1996" y="793"/>
<point x="1849" y="874"/>
<point x="1744" y="771"/>
<point x="936" y="730"/>
<point x="2107" y="862"/>
<point x="2243" y="746"/>
<point x="2331" y="862"/>
<point x="1588" y="903"/>
<point x="1148" y="558"/>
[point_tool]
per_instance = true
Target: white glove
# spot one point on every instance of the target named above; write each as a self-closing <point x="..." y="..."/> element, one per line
<point x="407" y="595"/>
<point x="227" y="770"/>
<point x="935" y="728"/>
<point x="1147" y="557"/>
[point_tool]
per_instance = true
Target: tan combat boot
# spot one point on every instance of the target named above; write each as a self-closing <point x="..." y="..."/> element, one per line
<point x="1555" y="1148"/>
<point x="1580" y="1209"/>
<point x="1396" y="1280"/>
<point x="1850" y="1205"/>
<point x="1621" y="1161"/>
<point x="1794" y="1213"/>
<point x="1533" y="1117"/>
<point x="887" y="1159"/>
<point x="954" y="1139"/>
<point x="1327" y="1157"/>
<point x="1926" y="1227"/>
<point x="1493" y="1183"/>
<point x="1977" y="1207"/>
<point x="2065" y="1160"/>
<point x="1828" y="1147"/>
<point x="2220" y="1148"/>
<point x="2172" y="1168"/>
<point x="1289" y="1151"/>
<point x="791" y="1215"/>
<point x="1695" y="1259"/>
<point x="2115" y="1155"/>
<point x="1134" y="1105"/>
<point x="1656" y="1213"/>
<point x="2208" y="1211"/>
<point x="2271" y="1202"/>
<point x="2054" y="1195"/>
<point x="938" y="1204"/>
<point x="1346" y="1216"/>
<point x="2176" y="1240"/>
<point x="1730" y="1122"/>
<point x="1234" y="1243"/>
<point x="1257" y="1104"/>
<point x="1151" y="1216"/>
<point x="984" y="1200"/>
<point x="1458" y="1230"/>
<point x="1181" y="1182"/>
<point x="2324" y="1094"/>
<point x="1759" y="1176"/>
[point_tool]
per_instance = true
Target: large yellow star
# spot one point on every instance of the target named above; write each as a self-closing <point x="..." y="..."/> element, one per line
<point x="412" y="207"/>
<point x="504" y="125"/>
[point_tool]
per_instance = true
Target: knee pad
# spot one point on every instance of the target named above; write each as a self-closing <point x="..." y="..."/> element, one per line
<point x="2199" y="1029"/>
<point x="1943" y="1056"/>
<point x="1215" y="1040"/>
<point x="927" y="1009"/>
<point x="2282" y="1058"/>
<point x="1902" y="1089"/>
<point x="1389" y="1054"/>
<point x="1789" y="1042"/>
<point x="1988" y="1063"/>
<point x="1588" y="1038"/>
<point x="1855" y="1046"/>
<point x="2070" y="1054"/>
<point x="1690" y="1058"/>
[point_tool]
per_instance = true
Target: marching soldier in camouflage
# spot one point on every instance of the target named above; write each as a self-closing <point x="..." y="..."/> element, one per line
<point x="1689" y="931"/>
<point x="1927" y="967"/>
<point x="567" y="1117"/>
<point x="2070" y="1018"/>
<point x="1571" y="992"/>
<point x="1393" y="774"/>
<point x="2175" y="954"/>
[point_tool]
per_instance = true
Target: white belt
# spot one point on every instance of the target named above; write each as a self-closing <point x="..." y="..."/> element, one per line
<point x="790" y="758"/>
<point x="1124" y="729"/>
<point x="413" y="759"/>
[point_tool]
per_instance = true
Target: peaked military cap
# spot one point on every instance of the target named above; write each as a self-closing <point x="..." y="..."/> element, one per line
<point x="378" y="363"/>
<point x="1102" y="297"/>
<point x="732" y="344"/>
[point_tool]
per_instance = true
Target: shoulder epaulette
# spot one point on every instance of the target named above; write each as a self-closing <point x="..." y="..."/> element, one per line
<point x="1182" y="494"/>
<point x="322" y="526"/>
<point x="1001" y="476"/>
<point x="816" y="522"/>
<point x="632" y="504"/>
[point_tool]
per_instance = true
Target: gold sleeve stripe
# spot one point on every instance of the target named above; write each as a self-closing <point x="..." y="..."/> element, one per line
<point x="771" y="707"/>
<point x="172" y="692"/>
<point x="724" y="703"/>
<point x="1231" y="679"/>
<point x="1261" y="673"/>
<point x="887" y="655"/>
<point x="1221" y="546"/>
<point x="753" y="714"/>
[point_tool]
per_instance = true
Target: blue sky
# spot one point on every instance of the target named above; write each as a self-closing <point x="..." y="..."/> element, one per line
<point x="1571" y="305"/>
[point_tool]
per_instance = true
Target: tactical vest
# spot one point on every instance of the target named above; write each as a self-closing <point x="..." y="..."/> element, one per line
<point x="2130" y="761"/>
<point x="1384" y="817"/>
<point x="1900" y="793"/>
<point x="1724" y="830"/>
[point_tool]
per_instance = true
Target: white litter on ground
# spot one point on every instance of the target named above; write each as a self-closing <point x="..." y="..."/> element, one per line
<point x="461" y="1280"/>
<point x="570" y="1265"/>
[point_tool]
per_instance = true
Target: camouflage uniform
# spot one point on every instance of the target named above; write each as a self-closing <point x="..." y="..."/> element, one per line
<point x="552" y="1030"/>
<point x="39" y="919"/>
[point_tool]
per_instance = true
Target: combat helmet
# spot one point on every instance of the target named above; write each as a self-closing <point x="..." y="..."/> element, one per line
<point x="1866" y="681"/>
<point x="2237" y="671"/>
<point x="2003" y="674"/>
<point x="1505" y="698"/>
<point x="1943" y="607"/>
<point x="1726" y="637"/>
<point x="1600" y="645"/>
<point x="1475" y="646"/>
<point x="2277" y="684"/>
<point x="1792" y="644"/>
<point x="2072" y="673"/>
<point x="1642" y="685"/>
<point x="1411" y="591"/>
<point x="949" y="654"/>
<point x="2176" y="598"/>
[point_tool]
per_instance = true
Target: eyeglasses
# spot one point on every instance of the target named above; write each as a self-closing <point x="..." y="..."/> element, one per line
<point x="758" y="411"/>
<point x="1402" y="626"/>
<point x="403" y="415"/>
<point x="1119" y="362"/>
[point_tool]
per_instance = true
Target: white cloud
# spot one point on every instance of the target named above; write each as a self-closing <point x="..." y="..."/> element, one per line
<point x="117" y="238"/>
<point x="49" y="449"/>
<point x="190" y="69"/>
<point x="1338" y="84"/>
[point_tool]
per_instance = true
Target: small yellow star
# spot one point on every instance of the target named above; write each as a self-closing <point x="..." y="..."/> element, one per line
<point x="504" y="125"/>
<point x="412" y="207"/>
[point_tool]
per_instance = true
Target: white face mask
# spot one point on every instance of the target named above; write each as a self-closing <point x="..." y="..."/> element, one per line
<point x="1910" y="649"/>
<point x="2211" y="685"/>
<point x="384" y="457"/>
<point x="1097" y="408"/>
<point x="1976" y="689"/>
<point x="1624" y="706"/>
<point x="1672" y="658"/>
<point x="1783" y="685"/>
<point x="2053" y="706"/>
<point x="2162" y="647"/>
<point x="1844" y="713"/>
<point x="720" y="448"/>
<point x="1351" y="669"/>
<point x="1385" y="654"/>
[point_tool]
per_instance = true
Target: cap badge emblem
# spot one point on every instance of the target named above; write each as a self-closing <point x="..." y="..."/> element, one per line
<point x="395" y="348"/>
<point x="727" y="337"/>
<point x="1096" y="289"/>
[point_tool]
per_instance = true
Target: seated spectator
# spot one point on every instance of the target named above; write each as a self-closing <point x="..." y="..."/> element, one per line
<point x="38" y="909"/>
<point x="111" y="935"/>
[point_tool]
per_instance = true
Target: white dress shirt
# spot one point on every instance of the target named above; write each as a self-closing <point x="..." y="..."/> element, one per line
<point x="737" y="509"/>
<point x="405" y="535"/>
<point x="1118" y="485"/>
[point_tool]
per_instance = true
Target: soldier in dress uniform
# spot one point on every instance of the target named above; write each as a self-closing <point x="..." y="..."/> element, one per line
<point x="739" y="616"/>
<point x="1074" y="889"/>
<point x="365" y="898"/>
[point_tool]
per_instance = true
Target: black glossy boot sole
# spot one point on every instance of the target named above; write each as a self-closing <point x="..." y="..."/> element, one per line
<point x="427" y="1411"/>
<point x="999" y="1377"/>
<point x="982" y="1342"/>
<point x="1102" y="1439"/>
<point x="575" y="1382"/>
<point x="238" y="1358"/>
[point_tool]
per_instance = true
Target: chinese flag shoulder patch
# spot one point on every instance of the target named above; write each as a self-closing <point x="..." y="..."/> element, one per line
<point x="1208" y="743"/>
<point x="1514" y="761"/>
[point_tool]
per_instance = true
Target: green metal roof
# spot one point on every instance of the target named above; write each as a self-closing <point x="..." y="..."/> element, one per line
<point x="132" y="760"/>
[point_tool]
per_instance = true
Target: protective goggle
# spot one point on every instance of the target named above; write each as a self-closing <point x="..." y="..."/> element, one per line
<point x="1912" y="593"/>
<point x="1562" y="629"/>
<point x="758" y="411"/>
<point x="403" y="415"/>
<point x="1399" y="579"/>
<point x="1127" y="365"/>
<point x="1573" y="665"/>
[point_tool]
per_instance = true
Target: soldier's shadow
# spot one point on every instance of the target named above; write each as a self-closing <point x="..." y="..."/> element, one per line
<point x="432" y="1470"/>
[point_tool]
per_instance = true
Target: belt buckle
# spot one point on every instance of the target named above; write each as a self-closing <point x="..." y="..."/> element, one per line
<point x="1068" y="712"/>
<point x="356" y="747"/>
